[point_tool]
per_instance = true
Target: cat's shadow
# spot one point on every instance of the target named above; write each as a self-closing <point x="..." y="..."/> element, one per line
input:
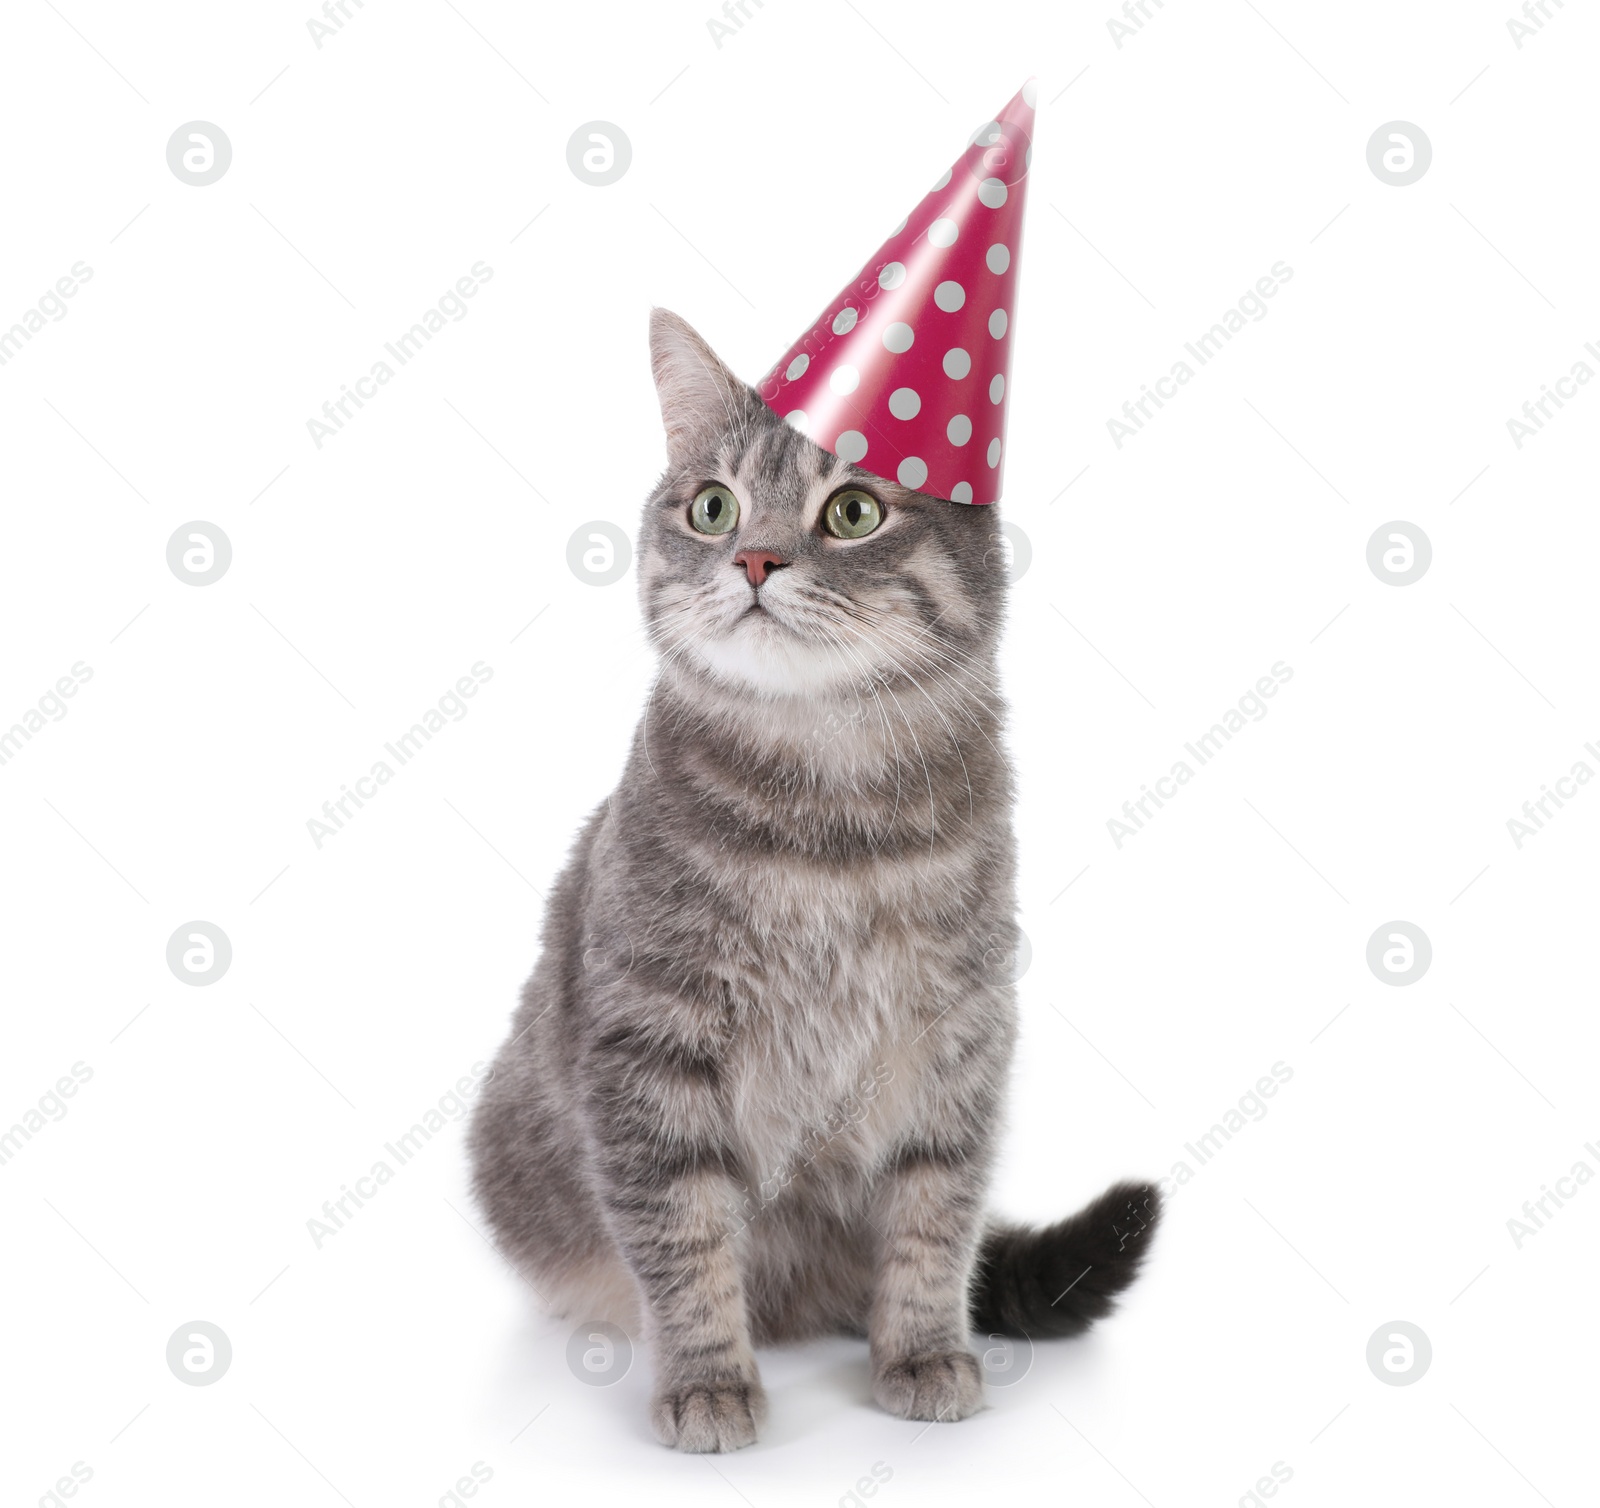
<point x="833" y="1375"/>
<point x="810" y="1385"/>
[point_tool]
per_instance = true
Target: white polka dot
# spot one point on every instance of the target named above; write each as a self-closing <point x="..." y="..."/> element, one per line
<point x="998" y="257"/>
<point x="901" y="226"/>
<point x="959" y="430"/>
<point x="797" y="367"/>
<point x="845" y="379"/>
<point x="950" y="296"/>
<point x="956" y="362"/>
<point x="997" y="387"/>
<point x="988" y="133"/>
<point x="1030" y="93"/>
<point x="997" y="323"/>
<point x="943" y="181"/>
<point x="994" y="452"/>
<point x="898" y="337"/>
<point x="961" y="492"/>
<point x="1027" y="158"/>
<point x="797" y="417"/>
<point x="844" y="321"/>
<point x="992" y="193"/>
<point x="905" y="403"/>
<point x="893" y="275"/>
<point x="850" y="446"/>
<point x="943" y="232"/>
<point x="913" y="472"/>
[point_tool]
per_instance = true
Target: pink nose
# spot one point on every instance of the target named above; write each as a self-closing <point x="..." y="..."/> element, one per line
<point x="758" y="564"/>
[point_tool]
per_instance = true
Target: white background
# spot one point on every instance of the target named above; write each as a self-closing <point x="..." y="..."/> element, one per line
<point x="1166" y="577"/>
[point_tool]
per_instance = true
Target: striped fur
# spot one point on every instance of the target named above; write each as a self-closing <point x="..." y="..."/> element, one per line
<point x="752" y="1090"/>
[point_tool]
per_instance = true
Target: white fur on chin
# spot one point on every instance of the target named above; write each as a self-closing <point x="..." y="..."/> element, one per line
<point x="757" y="653"/>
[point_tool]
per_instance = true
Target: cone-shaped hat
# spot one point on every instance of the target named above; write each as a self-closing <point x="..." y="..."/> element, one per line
<point x="906" y="371"/>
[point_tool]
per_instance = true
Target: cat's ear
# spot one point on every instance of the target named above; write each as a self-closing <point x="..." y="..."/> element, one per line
<point x="699" y="396"/>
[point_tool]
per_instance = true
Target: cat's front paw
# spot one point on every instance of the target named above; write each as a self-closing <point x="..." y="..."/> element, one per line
<point x="941" y="1386"/>
<point x="709" y="1416"/>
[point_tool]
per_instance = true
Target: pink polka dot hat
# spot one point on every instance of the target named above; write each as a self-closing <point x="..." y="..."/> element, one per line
<point x="905" y="372"/>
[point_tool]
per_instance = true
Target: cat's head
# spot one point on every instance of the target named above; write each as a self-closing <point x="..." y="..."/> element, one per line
<point x="769" y="566"/>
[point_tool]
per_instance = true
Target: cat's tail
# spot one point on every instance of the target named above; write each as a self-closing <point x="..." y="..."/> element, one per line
<point x="1059" y="1279"/>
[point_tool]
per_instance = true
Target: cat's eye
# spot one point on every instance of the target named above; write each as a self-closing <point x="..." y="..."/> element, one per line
<point x="715" y="510"/>
<point x="852" y="514"/>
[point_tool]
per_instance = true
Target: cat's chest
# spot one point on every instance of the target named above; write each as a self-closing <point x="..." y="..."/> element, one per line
<point x="841" y="954"/>
<point x="832" y="1000"/>
<point x="817" y="1089"/>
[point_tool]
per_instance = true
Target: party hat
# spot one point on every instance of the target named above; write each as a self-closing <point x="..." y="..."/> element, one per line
<point x="905" y="372"/>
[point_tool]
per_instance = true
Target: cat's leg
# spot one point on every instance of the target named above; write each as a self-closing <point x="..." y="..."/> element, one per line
<point x="927" y="1212"/>
<point x="663" y="1168"/>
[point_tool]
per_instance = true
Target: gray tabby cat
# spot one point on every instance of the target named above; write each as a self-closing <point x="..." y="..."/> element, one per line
<point x="753" y="1087"/>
